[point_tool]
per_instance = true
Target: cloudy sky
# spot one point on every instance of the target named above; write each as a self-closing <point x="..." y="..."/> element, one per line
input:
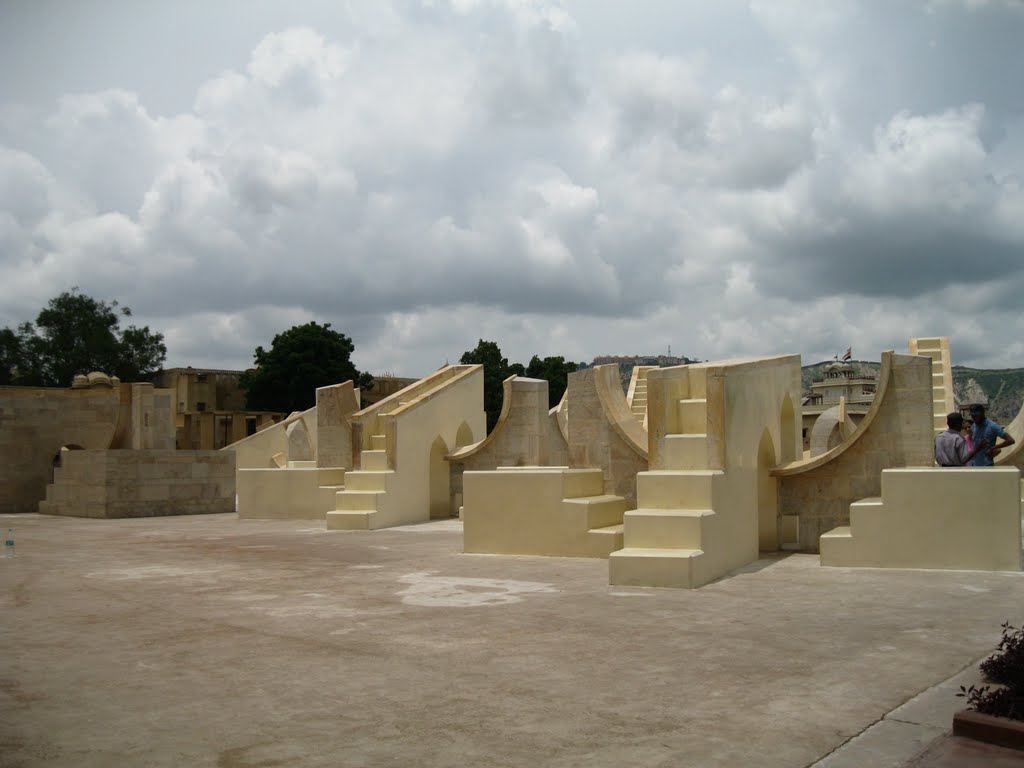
<point x="568" y="178"/>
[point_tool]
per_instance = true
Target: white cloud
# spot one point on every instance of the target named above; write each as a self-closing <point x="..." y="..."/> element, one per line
<point x="436" y="173"/>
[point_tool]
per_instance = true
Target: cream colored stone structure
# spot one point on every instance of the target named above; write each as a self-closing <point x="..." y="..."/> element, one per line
<point x="897" y="431"/>
<point x="943" y="401"/>
<point x="301" y="480"/>
<point x="97" y="412"/>
<point x="603" y="432"/>
<point x="553" y="511"/>
<point x="708" y="503"/>
<point x="573" y="511"/>
<point x="527" y="434"/>
<point x="400" y="449"/>
<point x="962" y="518"/>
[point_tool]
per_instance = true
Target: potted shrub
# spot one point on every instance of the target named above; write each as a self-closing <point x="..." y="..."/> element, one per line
<point x="996" y="714"/>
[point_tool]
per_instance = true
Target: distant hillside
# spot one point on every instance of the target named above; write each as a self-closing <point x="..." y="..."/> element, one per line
<point x="1002" y="389"/>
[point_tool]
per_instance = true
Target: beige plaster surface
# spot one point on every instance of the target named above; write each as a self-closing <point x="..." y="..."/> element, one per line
<point x="257" y="451"/>
<point x="943" y="400"/>
<point x="541" y="511"/>
<point x="526" y="434"/>
<point x="403" y="442"/>
<point x="602" y="431"/>
<point x="208" y="642"/>
<point x="335" y="406"/>
<point x="935" y="517"/>
<point x="709" y="503"/>
<point x="1014" y="455"/>
<point x="303" y="492"/>
<point x="896" y="432"/>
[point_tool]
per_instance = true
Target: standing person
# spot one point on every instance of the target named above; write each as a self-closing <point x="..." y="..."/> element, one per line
<point x="951" y="448"/>
<point x="987" y="430"/>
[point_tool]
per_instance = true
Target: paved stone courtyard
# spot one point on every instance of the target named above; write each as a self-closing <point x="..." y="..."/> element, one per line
<point x="209" y="641"/>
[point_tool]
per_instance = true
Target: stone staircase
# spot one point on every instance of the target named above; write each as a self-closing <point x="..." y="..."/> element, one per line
<point x="636" y="395"/>
<point x="356" y="503"/>
<point x="400" y="450"/>
<point x="937" y="348"/>
<point x="665" y="537"/>
<point x="933" y="517"/>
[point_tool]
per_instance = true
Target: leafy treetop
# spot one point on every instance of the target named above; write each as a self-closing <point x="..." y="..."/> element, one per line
<point x="77" y="334"/>
<point x="300" y="360"/>
<point x="497" y="368"/>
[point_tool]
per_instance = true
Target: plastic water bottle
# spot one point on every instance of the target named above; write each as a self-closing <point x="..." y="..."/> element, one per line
<point x="9" y="543"/>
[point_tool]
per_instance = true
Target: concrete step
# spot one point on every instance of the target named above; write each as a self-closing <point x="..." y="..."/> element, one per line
<point x="350" y="520"/>
<point x="836" y="547"/>
<point x="654" y="567"/>
<point x="301" y="465"/>
<point x="665" y="528"/>
<point x="357" y="501"/>
<point x="600" y="511"/>
<point x="693" y="416"/>
<point x="611" y="532"/>
<point x="578" y="483"/>
<point x="363" y="480"/>
<point x="330" y="476"/>
<point x="677" y="489"/>
<point x="869" y="507"/>
<point x="685" y="451"/>
<point x="374" y="460"/>
<point x="378" y="442"/>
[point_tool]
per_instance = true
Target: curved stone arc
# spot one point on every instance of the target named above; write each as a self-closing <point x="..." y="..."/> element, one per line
<point x="616" y="409"/>
<point x="804" y="465"/>
<point x="473" y="449"/>
<point x="1014" y="455"/>
<point x="828" y="422"/>
<point x="896" y="432"/>
<point x="560" y="414"/>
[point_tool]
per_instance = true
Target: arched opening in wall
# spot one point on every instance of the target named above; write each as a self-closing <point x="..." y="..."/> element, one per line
<point x="464" y="436"/>
<point x="440" y="501"/>
<point x="788" y="431"/>
<point x="767" y="496"/>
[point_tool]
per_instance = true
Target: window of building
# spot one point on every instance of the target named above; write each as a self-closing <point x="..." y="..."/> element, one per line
<point x="200" y="407"/>
<point x="201" y="378"/>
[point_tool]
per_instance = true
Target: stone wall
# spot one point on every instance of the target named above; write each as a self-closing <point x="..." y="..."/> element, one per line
<point x="603" y="433"/>
<point x="526" y="435"/>
<point x="143" y="483"/>
<point x="896" y="432"/>
<point x="36" y="422"/>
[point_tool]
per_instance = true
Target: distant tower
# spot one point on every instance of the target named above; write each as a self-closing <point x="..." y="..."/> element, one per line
<point x="670" y="350"/>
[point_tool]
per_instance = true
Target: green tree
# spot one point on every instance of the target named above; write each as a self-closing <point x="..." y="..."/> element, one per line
<point x="10" y="355"/>
<point x="554" y="370"/>
<point x="299" y="360"/>
<point x="76" y="334"/>
<point x="496" y="370"/>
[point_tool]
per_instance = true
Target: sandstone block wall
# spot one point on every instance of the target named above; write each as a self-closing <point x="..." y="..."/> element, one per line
<point x="35" y="423"/>
<point x="145" y="483"/>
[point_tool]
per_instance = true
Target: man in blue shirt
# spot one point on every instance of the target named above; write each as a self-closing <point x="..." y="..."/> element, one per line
<point x="988" y="430"/>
